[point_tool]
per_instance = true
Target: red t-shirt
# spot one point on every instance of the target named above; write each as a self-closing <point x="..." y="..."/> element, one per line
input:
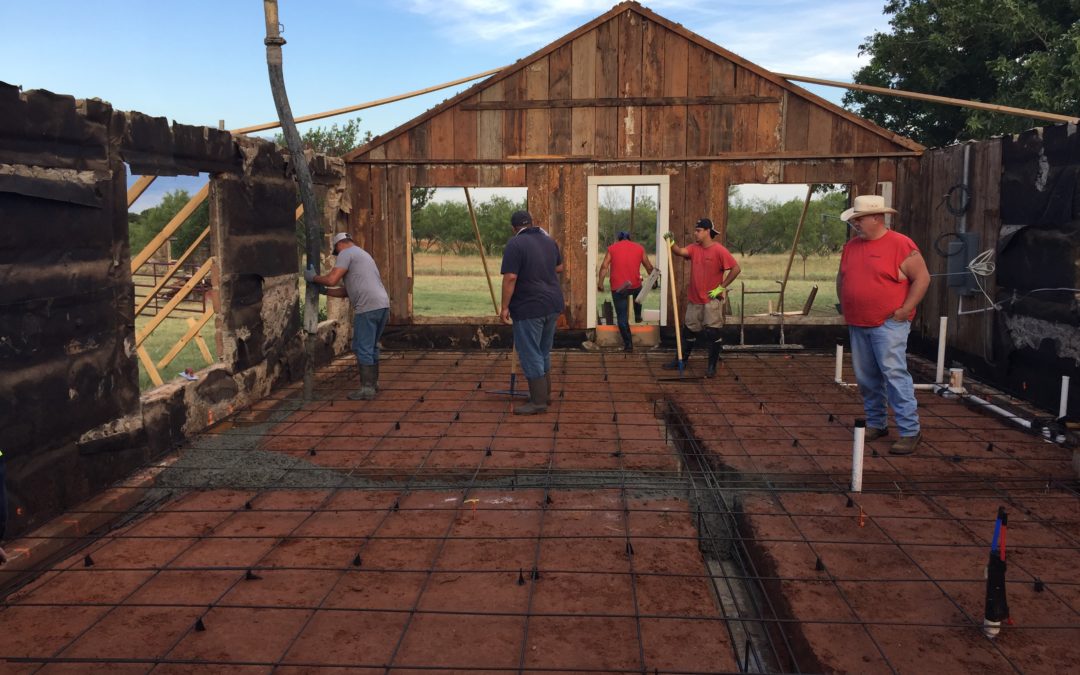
<point x="626" y="260"/>
<point x="707" y="268"/>
<point x="871" y="289"/>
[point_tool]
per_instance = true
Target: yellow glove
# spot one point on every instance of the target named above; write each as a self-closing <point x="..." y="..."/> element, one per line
<point x="717" y="292"/>
<point x="669" y="238"/>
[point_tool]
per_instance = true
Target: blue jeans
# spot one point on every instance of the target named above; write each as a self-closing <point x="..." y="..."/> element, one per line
<point x="366" y="331"/>
<point x="533" y="339"/>
<point x="621" y="301"/>
<point x="879" y="355"/>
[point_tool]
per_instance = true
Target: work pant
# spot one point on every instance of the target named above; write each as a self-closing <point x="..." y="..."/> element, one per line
<point x="879" y="355"/>
<point x="621" y="300"/>
<point x="367" y="329"/>
<point x="532" y="340"/>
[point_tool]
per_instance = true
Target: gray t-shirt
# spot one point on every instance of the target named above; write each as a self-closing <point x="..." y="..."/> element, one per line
<point x="362" y="282"/>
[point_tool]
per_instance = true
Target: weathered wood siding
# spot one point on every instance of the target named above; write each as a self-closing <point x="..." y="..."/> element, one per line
<point x="627" y="94"/>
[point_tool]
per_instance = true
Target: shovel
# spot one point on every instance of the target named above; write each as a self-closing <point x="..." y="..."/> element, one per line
<point x="678" y="330"/>
<point x="513" y="379"/>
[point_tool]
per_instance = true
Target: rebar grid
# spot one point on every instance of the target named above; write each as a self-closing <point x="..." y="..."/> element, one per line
<point x="619" y="497"/>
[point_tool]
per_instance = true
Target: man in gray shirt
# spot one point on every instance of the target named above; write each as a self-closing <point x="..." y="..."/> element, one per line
<point x="370" y="303"/>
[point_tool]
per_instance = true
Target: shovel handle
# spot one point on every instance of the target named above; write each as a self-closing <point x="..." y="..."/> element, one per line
<point x="675" y="306"/>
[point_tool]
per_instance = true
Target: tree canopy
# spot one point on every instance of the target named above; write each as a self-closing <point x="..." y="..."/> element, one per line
<point x="1023" y="53"/>
<point x="334" y="140"/>
<point x="144" y="226"/>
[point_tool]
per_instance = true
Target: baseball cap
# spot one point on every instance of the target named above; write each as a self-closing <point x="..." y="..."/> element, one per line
<point x="340" y="236"/>
<point x="520" y="219"/>
<point x="706" y="224"/>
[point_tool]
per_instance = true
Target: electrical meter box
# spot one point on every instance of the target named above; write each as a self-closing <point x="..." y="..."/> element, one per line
<point x="962" y="247"/>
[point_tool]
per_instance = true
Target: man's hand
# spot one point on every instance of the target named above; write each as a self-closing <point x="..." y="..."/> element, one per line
<point x="902" y="314"/>
<point x="717" y="292"/>
<point x="599" y="285"/>
<point x="309" y="273"/>
<point x="669" y="238"/>
<point x="505" y="315"/>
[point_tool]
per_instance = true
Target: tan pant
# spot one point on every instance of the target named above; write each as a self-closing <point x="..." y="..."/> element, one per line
<point x="699" y="317"/>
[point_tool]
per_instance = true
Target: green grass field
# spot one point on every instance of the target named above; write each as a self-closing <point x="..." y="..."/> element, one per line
<point x="452" y="285"/>
<point x="162" y="340"/>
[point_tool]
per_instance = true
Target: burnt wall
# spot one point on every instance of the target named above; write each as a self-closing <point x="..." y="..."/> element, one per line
<point x="1038" y="264"/>
<point x="72" y="420"/>
<point x="66" y="303"/>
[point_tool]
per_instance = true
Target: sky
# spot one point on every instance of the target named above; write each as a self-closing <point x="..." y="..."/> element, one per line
<point x="201" y="61"/>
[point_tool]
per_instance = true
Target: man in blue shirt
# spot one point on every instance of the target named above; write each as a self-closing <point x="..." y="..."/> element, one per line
<point x="532" y="298"/>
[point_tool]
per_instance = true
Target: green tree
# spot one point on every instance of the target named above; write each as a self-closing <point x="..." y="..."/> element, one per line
<point x="334" y="140"/>
<point x="1023" y="53"/>
<point x="149" y="222"/>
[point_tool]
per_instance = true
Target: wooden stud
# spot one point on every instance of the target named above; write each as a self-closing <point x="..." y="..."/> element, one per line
<point x="170" y="228"/>
<point x="192" y="333"/>
<point x="164" y="312"/>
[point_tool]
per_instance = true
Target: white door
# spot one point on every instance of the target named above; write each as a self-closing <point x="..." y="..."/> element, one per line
<point x="659" y="256"/>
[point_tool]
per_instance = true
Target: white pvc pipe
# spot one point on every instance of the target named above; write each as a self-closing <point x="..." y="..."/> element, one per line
<point x="1000" y="411"/>
<point x="838" y="377"/>
<point x="857" y="455"/>
<point x="956" y="380"/>
<point x="1063" y="402"/>
<point x="942" y="332"/>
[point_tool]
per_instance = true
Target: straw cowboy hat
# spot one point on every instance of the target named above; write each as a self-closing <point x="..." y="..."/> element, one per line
<point x="866" y="205"/>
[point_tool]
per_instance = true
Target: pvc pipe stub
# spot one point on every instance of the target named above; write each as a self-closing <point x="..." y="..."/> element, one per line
<point x="860" y="423"/>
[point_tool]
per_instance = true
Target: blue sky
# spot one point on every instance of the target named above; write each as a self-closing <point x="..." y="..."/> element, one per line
<point x="199" y="61"/>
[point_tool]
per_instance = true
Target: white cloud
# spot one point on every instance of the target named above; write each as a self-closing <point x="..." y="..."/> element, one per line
<point x="818" y="39"/>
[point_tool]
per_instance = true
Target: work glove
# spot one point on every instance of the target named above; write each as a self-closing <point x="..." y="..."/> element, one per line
<point x="669" y="238"/>
<point x="309" y="273"/>
<point x="717" y="292"/>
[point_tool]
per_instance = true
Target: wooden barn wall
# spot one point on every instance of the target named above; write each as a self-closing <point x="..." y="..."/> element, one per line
<point x="920" y="189"/>
<point x="557" y="194"/>
<point x="630" y="89"/>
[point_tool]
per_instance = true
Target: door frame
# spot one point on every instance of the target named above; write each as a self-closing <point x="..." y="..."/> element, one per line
<point x="663" y="183"/>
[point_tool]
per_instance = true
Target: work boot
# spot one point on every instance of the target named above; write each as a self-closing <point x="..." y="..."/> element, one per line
<point x="714" y="356"/>
<point x="906" y="445"/>
<point x="547" y="379"/>
<point x="873" y="433"/>
<point x="368" y="377"/>
<point x="375" y="381"/>
<point x="538" y="397"/>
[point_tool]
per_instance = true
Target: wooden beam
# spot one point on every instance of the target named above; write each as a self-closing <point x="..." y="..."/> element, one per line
<point x="176" y="300"/>
<point x="148" y="363"/>
<point x="172" y="226"/>
<point x="931" y="98"/>
<point x="619" y="102"/>
<point x="590" y="159"/>
<point x="192" y="332"/>
<point x="172" y="271"/>
<point x="136" y="190"/>
<point x="480" y="245"/>
<point x="369" y="104"/>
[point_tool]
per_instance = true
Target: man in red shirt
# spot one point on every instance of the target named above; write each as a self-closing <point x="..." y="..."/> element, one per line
<point x="712" y="271"/>
<point x="625" y="259"/>
<point x="882" y="278"/>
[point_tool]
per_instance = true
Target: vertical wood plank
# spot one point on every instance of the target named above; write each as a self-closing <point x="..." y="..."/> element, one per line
<point x="744" y="130"/>
<point x="607" y="86"/>
<point x="796" y="124"/>
<point x="819" y="129"/>
<point x="537" y="121"/>
<point x="721" y="117"/>
<point x="442" y="136"/>
<point x="583" y="85"/>
<point x="769" y="117"/>
<point x="419" y="141"/>
<point x="698" y="117"/>
<point x="631" y="66"/>
<point x="676" y="49"/>
<point x="489" y="125"/>
<point x="466" y="125"/>
<point x="560" y="68"/>
<point x="652" y="84"/>
<point x="514" y="120"/>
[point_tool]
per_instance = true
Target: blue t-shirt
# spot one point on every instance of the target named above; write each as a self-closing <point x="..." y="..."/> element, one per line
<point x="532" y="255"/>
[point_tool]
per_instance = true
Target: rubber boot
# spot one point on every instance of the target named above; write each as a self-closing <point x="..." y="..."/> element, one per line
<point x="375" y="381"/>
<point x="637" y="312"/>
<point x="715" y="345"/>
<point x="687" y="347"/>
<point x="366" y="392"/>
<point x="547" y="379"/>
<point x="538" y="397"/>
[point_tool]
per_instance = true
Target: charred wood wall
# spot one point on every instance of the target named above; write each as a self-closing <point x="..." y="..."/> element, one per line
<point x="71" y="417"/>
<point x="1022" y="201"/>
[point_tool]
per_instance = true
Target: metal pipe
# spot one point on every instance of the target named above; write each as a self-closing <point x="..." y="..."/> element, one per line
<point x="838" y="376"/>
<point x="961" y="222"/>
<point x="857" y="455"/>
<point x="943" y="327"/>
<point x="1063" y="402"/>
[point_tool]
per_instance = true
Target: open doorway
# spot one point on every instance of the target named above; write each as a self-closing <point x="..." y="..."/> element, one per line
<point x="457" y="240"/>
<point x="637" y="205"/>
